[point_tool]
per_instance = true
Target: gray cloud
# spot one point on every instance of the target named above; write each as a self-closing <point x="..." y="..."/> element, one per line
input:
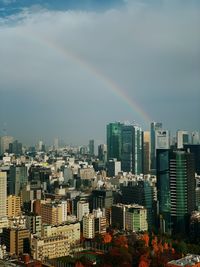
<point x="58" y="64"/>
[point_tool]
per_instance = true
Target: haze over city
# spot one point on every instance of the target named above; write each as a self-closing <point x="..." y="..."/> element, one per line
<point x="68" y="69"/>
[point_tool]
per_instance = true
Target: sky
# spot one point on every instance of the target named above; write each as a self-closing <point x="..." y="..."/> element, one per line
<point x="67" y="68"/>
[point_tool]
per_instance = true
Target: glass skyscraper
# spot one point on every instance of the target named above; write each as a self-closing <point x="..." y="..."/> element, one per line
<point x="125" y="143"/>
<point x="176" y="189"/>
<point x="155" y="126"/>
<point x="114" y="140"/>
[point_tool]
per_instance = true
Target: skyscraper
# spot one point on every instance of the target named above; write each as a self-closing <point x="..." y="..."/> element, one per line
<point x="102" y="152"/>
<point x="18" y="177"/>
<point x="114" y="131"/>
<point x="91" y="147"/>
<point x="146" y="152"/>
<point x="176" y="189"/>
<point x="162" y="139"/>
<point x="155" y="126"/>
<point x="132" y="149"/>
<point x="195" y="136"/>
<point x="182" y="138"/>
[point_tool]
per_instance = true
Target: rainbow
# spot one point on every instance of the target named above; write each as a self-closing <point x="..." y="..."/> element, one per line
<point x="80" y="61"/>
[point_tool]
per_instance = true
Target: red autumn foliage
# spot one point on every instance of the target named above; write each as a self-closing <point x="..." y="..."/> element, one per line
<point x="121" y="241"/>
<point x="145" y="237"/>
<point x="144" y="261"/>
<point x="107" y="238"/>
<point x="79" y="264"/>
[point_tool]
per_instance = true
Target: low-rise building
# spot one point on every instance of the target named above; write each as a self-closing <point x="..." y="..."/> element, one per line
<point x="50" y="247"/>
<point x="189" y="261"/>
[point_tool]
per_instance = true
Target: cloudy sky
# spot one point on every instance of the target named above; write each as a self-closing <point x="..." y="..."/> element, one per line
<point x="67" y="68"/>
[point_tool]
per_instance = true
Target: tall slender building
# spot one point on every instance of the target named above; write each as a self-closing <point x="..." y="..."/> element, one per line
<point x="3" y="194"/>
<point x="102" y="152"/>
<point x="91" y="147"/>
<point x="176" y="189"/>
<point x="155" y="126"/>
<point x="132" y="149"/>
<point x="17" y="178"/>
<point x="114" y="131"/>
<point x="146" y="152"/>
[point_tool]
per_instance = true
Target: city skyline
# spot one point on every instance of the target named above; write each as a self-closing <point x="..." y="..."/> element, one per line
<point x="68" y="67"/>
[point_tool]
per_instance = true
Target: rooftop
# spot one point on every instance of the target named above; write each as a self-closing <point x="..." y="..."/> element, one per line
<point x="189" y="260"/>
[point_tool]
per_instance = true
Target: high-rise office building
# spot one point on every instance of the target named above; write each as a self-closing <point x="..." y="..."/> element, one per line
<point x="132" y="149"/>
<point x="182" y="138"/>
<point x="176" y="189"/>
<point x="114" y="131"/>
<point x="162" y="139"/>
<point x="3" y="194"/>
<point x="102" y="152"/>
<point x="155" y="126"/>
<point x="4" y="143"/>
<point x="195" y="138"/>
<point x="17" y="178"/>
<point x="15" y="147"/>
<point x="146" y="152"/>
<point x="91" y="147"/>
<point x="195" y="150"/>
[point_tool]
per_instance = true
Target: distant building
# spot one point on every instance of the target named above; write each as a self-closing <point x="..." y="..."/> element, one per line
<point x="88" y="226"/>
<point x="131" y="217"/>
<point x="146" y="152"/>
<point x="4" y="143"/>
<point x="91" y="147"/>
<point x="34" y="224"/>
<point x="15" y="147"/>
<point x="141" y="193"/>
<point x="114" y="167"/>
<point x="50" y="247"/>
<point x="86" y="173"/>
<point x="102" y="152"/>
<point x="132" y="149"/>
<point x="70" y="230"/>
<point x="182" y="138"/>
<point x="195" y="138"/>
<point x="188" y="261"/>
<point x="3" y="194"/>
<point x="17" y="178"/>
<point x="162" y="139"/>
<point x="195" y="150"/>
<point x="13" y="206"/>
<point x="51" y="213"/>
<point x="16" y="240"/>
<point x="155" y="126"/>
<point x="114" y="140"/>
<point x="82" y="209"/>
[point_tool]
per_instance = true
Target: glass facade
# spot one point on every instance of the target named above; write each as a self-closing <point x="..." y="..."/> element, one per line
<point x="176" y="189"/>
<point x="114" y="131"/>
<point x="154" y="127"/>
<point x="132" y="149"/>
